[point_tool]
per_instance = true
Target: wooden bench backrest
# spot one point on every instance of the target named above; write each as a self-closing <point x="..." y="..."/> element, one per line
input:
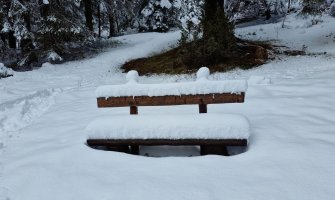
<point x="201" y="99"/>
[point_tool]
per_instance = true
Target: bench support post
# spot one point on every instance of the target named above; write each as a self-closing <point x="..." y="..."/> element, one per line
<point x="202" y="108"/>
<point x="133" y="110"/>
<point x="214" y="149"/>
<point x="135" y="149"/>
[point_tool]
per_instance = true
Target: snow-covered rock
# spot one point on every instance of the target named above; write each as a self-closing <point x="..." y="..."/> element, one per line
<point x="53" y="56"/>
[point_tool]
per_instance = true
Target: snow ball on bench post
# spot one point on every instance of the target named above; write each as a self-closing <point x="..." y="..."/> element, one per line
<point x="132" y="76"/>
<point x="203" y="74"/>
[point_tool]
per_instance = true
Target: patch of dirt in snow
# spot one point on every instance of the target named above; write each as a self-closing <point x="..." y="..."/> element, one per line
<point x="19" y="113"/>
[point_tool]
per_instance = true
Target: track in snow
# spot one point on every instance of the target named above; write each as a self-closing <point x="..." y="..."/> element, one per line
<point x="19" y="113"/>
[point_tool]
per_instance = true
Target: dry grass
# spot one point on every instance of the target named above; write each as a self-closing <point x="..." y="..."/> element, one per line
<point x="250" y="54"/>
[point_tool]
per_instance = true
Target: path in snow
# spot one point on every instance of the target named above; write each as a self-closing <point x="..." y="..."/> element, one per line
<point x="19" y="113"/>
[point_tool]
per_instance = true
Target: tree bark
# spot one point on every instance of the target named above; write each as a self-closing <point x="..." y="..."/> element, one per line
<point x="210" y="9"/>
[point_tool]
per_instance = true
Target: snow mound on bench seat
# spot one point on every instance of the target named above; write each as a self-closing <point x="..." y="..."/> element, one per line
<point x="166" y="89"/>
<point x="181" y="126"/>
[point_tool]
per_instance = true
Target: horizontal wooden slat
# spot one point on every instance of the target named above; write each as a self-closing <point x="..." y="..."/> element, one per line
<point x="177" y="142"/>
<point x="170" y="100"/>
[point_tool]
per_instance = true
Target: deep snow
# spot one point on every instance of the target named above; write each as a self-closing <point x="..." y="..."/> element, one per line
<point x="289" y="103"/>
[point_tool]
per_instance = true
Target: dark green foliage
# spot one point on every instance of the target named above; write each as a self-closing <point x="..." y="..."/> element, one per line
<point x="32" y="30"/>
<point x="157" y="17"/>
<point x="61" y="25"/>
<point x="313" y="7"/>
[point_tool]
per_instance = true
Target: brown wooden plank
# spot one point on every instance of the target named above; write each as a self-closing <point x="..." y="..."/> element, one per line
<point x="178" y="142"/>
<point x="170" y="100"/>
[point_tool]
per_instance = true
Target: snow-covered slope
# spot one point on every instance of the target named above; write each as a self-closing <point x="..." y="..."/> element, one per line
<point x="289" y="103"/>
<point x="315" y="34"/>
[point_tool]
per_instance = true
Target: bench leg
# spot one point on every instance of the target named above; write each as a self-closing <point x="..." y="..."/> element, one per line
<point x="135" y="149"/>
<point x="202" y="108"/>
<point x="133" y="110"/>
<point x="214" y="149"/>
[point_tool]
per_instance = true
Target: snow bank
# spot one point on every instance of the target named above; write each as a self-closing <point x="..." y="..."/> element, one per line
<point x="5" y="72"/>
<point x="311" y="34"/>
<point x="201" y="86"/>
<point x="180" y="126"/>
<point x="19" y="113"/>
<point x="47" y="65"/>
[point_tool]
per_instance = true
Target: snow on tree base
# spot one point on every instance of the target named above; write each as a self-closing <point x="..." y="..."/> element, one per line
<point x="178" y="126"/>
<point x="5" y="72"/>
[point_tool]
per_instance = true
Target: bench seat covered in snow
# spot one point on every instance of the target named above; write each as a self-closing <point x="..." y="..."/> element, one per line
<point x="212" y="132"/>
<point x="181" y="126"/>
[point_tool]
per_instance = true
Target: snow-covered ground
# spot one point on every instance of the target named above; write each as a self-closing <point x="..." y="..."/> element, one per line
<point x="289" y="103"/>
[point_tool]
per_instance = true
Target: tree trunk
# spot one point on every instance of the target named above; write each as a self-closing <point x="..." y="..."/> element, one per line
<point x="221" y="4"/>
<point x="111" y="25"/>
<point x="210" y="8"/>
<point x="289" y="5"/>
<point x="26" y="18"/>
<point x="88" y="14"/>
<point x="26" y="43"/>
<point x="99" y="20"/>
<point x="44" y="9"/>
<point x="11" y="40"/>
<point x="2" y="35"/>
<point x="286" y="13"/>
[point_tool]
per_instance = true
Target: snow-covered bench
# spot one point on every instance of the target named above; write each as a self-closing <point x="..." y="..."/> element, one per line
<point x="212" y="132"/>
